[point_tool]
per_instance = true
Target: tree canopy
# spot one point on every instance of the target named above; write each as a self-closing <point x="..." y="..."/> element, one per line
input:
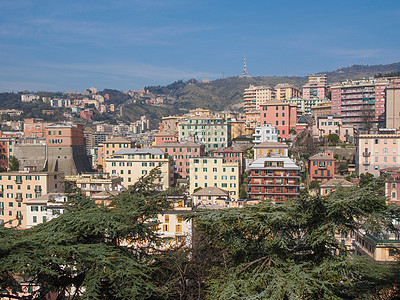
<point x="91" y="252"/>
<point x="264" y="251"/>
<point x="291" y="252"/>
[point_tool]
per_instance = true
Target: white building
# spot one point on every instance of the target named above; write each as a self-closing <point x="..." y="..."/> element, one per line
<point x="44" y="208"/>
<point x="267" y="132"/>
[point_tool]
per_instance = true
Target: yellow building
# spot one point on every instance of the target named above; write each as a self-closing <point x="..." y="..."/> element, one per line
<point x="131" y="164"/>
<point x="214" y="171"/>
<point x="108" y="148"/>
<point x="18" y="187"/>
<point x="268" y="148"/>
<point x="238" y="128"/>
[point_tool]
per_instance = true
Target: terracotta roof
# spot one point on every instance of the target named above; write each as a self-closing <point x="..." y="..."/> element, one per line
<point x="337" y="181"/>
<point x="177" y="144"/>
<point x="117" y="139"/>
<point x="211" y="191"/>
<point x="269" y="144"/>
<point x="321" y="156"/>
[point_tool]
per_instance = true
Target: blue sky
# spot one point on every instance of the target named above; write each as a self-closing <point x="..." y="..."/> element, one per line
<point x="128" y="44"/>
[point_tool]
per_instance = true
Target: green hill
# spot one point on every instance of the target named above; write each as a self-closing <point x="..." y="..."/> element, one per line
<point x="226" y="93"/>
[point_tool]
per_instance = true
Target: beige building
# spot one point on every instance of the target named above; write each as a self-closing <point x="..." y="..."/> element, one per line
<point x="214" y="171"/>
<point x="286" y="91"/>
<point x="380" y="247"/>
<point x="238" y="128"/>
<point x="321" y="109"/>
<point x="174" y="228"/>
<point x="132" y="164"/>
<point x="18" y="187"/>
<point x="268" y="148"/>
<point x="377" y="151"/>
<point x="393" y="106"/>
<point x="254" y="96"/>
<point x="93" y="183"/>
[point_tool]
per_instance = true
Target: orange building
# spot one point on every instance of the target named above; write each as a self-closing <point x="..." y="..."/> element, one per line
<point x="34" y="127"/>
<point x="322" y="167"/>
<point x="64" y="135"/>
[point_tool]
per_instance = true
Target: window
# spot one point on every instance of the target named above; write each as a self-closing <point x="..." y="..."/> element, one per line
<point x="166" y="218"/>
<point x="34" y="219"/>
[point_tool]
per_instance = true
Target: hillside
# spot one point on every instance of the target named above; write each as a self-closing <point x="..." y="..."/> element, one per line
<point x="227" y="93"/>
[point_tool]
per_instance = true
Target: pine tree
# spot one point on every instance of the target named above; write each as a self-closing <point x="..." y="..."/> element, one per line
<point x="90" y="252"/>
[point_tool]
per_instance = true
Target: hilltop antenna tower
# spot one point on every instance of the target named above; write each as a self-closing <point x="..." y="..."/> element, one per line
<point x="244" y="68"/>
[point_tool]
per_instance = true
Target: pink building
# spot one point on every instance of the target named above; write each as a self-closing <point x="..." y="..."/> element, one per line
<point x="164" y="137"/>
<point x="314" y="90"/>
<point x="282" y="115"/>
<point x="87" y="114"/>
<point x="360" y="101"/>
<point x="392" y="184"/>
<point x="329" y="124"/>
<point x="231" y="154"/>
<point x="181" y="153"/>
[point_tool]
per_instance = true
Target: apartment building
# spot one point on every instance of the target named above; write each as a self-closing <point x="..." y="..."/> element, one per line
<point x="331" y="185"/>
<point x="392" y="184"/>
<point x="305" y="106"/>
<point x="270" y="148"/>
<point x="214" y="171"/>
<point x="376" y="151"/>
<point x="34" y="127"/>
<point x="264" y="133"/>
<point x="254" y="96"/>
<point x="18" y="187"/>
<point x="360" y="101"/>
<point x="281" y="115"/>
<point x="214" y="133"/>
<point x="322" y="167"/>
<point x="316" y="87"/>
<point x="329" y="124"/>
<point x="274" y="178"/>
<point x="392" y="110"/>
<point x="111" y="146"/>
<point x="231" y="154"/>
<point x="170" y="124"/>
<point x="132" y="164"/>
<point x="285" y="91"/>
<point x="164" y="137"/>
<point x="252" y="120"/>
<point x="45" y="208"/>
<point x="176" y="230"/>
<point x="380" y="247"/>
<point x="181" y="154"/>
<point x="238" y="128"/>
<point x="322" y="109"/>
<point x="94" y="183"/>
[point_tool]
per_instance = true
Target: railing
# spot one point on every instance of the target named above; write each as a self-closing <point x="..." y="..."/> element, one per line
<point x="366" y="154"/>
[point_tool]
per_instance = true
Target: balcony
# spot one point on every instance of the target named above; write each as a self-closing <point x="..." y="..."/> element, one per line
<point x="38" y="189"/>
<point x="18" y="180"/>
<point x="18" y="198"/>
<point x="20" y="217"/>
<point x="366" y="154"/>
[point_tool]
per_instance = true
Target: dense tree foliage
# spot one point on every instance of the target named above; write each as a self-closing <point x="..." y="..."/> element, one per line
<point x="14" y="164"/>
<point x="264" y="251"/>
<point x="290" y="251"/>
<point x="84" y="253"/>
